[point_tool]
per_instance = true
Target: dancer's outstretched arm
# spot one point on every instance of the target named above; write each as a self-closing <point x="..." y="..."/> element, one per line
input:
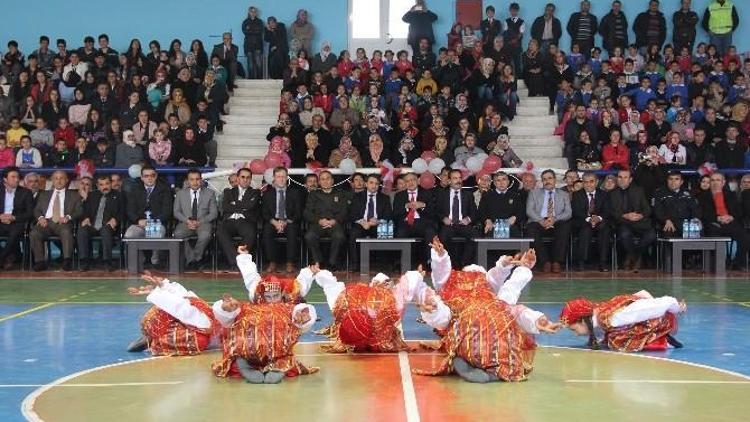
<point x="172" y="298"/>
<point x="306" y="277"/>
<point x="511" y="289"/>
<point x="332" y="288"/>
<point x="440" y="262"/>
<point x="533" y="322"/>
<point x="226" y="310"/>
<point x="435" y="313"/>
<point x="249" y="270"/>
<point x="645" y="309"/>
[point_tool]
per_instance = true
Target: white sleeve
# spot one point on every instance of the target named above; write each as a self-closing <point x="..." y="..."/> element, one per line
<point x="527" y="318"/>
<point x="440" y="317"/>
<point x="226" y="319"/>
<point x="645" y="309"/>
<point x="313" y="316"/>
<point x="441" y="269"/>
<point x="497" y="275"/>
<point x="305" y="280"/>
<point x="416" y="287"/>
<point x="514" y="285"/>
<point x="249" y="273"/>
<point x="331" y="287"/>
<point x="179" y="307"/>
<point x="176" y="288"/>
<point x="643" y="294"/>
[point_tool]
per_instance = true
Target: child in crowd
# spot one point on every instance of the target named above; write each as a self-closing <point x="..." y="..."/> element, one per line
<point x="28" y="156"/>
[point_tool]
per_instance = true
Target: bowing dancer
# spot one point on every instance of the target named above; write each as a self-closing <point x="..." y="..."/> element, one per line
<point x="629" y="323"/>
<point x="264" y="289"/>
<point x="367" y="317"/>
<point x="486" y="334"/>
<point x="178" y="324"/>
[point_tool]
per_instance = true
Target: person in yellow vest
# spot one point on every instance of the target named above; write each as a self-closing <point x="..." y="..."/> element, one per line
<point x="721" y="20"/>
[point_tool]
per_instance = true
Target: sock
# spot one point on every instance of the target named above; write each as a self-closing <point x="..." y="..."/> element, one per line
<point x="253" y="376"/>
<point x="470" y="373"/>
<point x="273" y="377"/>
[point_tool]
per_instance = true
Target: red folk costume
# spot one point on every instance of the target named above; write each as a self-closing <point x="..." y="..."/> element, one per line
<point x="630" y="323"/>
<point x="290" y="290"/>
<point x="179" y="323"/>
<point x="263" y="334"/>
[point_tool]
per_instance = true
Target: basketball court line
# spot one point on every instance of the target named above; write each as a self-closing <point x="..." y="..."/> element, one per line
<point x="28" y="311"/>
<point x="117" y="384"/>
<point x="407" y="385"/>
<point x="654" y="382"/>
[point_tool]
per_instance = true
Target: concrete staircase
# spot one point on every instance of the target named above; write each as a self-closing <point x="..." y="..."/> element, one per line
<point x="254" y="109"/>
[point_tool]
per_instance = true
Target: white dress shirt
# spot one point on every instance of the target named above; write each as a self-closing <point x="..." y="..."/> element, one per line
<point x="240" y="194"/>
<point x="10" y="196"/>
<point x="48" y="214"/>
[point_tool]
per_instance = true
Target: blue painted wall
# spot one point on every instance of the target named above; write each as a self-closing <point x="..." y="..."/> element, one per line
<point x="187" y="19"/>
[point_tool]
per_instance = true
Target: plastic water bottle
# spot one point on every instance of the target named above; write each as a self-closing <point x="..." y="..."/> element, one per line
<point x="686" y="226"/>
<point x="381" y="229"/>
<point x="496" y="229"/>
<point x="390" y="229"/>
<point x="158" y="229"/>
<point x="505" y="229"/>
<point x="697" y="226"/>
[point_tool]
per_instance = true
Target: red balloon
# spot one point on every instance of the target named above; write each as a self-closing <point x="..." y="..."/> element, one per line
<point x="428" y="156"/>
<point x="427" y="180"/>
<point x="258" y="166"/>
<point x="273" y="160"/>
<point x="492" y="163"/>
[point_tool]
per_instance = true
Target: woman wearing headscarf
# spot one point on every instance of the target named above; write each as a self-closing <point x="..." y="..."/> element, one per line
<point x="324" y="60"/>
<point x="344" y="151"/>
<point x="375" y="153"/>
<point x="302" y="31"/>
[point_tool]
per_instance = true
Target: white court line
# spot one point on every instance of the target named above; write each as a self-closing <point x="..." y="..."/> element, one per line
<point x="410" y="397"/>
<point x="655" y="382"/>
<point x="117" y="384"/>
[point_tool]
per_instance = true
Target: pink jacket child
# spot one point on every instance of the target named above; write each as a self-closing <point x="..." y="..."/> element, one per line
<point x="278" y="146"/>
<point x="160" y="149"/>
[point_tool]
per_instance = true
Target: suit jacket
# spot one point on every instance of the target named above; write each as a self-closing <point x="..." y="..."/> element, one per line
<point x="636" y="202"/>
<point x="23" y="204"/>
<point x="402" y="198"/>
<point x="232" y="54"/>
<point x="535" y="203"/>
<point x="494" y="205"/>
<point x="72" y="206"/>
<point x="249" y="206"/>
<point x="114" y="207"/>
<point x="443" y="205"/>
<point x="708" y="208"/>
<point x="295" y="204"/>
<point x="332" y="205"/>
<point x="207" y="208"/>
<point x="359" y="206"/>
<point x="580" y="205"/>
<point x="159" y="203"/>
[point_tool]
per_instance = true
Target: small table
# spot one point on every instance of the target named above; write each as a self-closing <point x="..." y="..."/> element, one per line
<point x="717" y="245"/>
<point x="485" y="245"/>
<point x="175" y="246"/>
<point x="368" y="245"/>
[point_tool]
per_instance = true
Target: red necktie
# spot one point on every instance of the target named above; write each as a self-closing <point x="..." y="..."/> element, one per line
<point x="412" y="214"/>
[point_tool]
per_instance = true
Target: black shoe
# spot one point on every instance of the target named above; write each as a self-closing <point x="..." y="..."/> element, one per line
<point x="40" y="266"/>
<point x="85" y="265"/>
<point x="138" y="345"/>
<point x="68" y="264"/>
<point x="603" y="268"/>
<point x="673" y="342"/>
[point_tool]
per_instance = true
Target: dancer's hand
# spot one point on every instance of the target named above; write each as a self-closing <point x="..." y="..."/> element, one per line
<point x="683" y="306"/>
<point x="544" y="326"/>
<point x="140" y="291"/>
<point x="151" y="278"/>
<point x="302" y="317"/>
<point x="429" y="305"/>
<point x="228" y="303"/>
<point x="438" y="246"/>
<point x="421" y="270"/>
<point x="505" y="260"/>
<point x="528" y="259"/>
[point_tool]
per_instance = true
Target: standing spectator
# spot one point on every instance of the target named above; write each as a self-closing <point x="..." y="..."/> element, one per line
<point x="501" y="202"/>
<point x="302" y="32"/>
<point x="278" y="47"/>
<point x="420" y="21"/>
<point x="490" y="28"/>
<point x="195" y="211"/>
<point x="672" y="205"/>
<point x="582" y="28"/>
<point x="591" y="216"/>
<point x="513" y="30"/>
<point x="55" y="213"/>
<point x="325" y="212"/>
<point x="547" y="29"/>
<point x="684" y="22"/>
<point x="614" y="29"/>
<point x="252" y="27"/>
<point x="722" y="216"/>
<point x="228" y="53"/>
<point x="631" y="211"/>
<point x="456" y="211"/>
<point x="533" y="70"/>
<point x="366" y="209"/>
<point x="103" y="212"/>
<point x="16" y="207"/>
<point x="548" y="211"/>
<point x="720" y="20"/>
<point x="282" y="217"/>
<point x="650" y="27"/>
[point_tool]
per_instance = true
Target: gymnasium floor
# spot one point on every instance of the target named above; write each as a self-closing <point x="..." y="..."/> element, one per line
<point x="63" y="359"/>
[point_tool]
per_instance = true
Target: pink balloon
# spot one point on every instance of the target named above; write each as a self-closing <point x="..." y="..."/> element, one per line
<point x="427" y="180"/>
<point x="465" y="173"/>
<point x="482" y="173"/>
<point x="258" y="166"/>
<point x="273" y="159"/>
<point x="428" y="156"/>
<point x="492" y="163"/>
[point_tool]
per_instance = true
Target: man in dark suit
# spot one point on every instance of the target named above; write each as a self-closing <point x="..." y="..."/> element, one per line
<point x="722" y="216"/>
<point x="103" y="212"/>
<point x="549" y="213"/>
<point x="590" y="217"/>
<point x="367" y="208"/>
<point x="55" y="213"/>
<point x="228" y="54"/>
<point x="413" y="214"/>
<point x="16" y="207"/>
<point x="632" y="212"/>
<point x="502" y="202"/>
<point x="325" y="212"/>
<point x="281" y="212"/>
<point x="672" y="205"/>
<point x="456" y="210"/>
<point x="152" y="196"/>
<point x="240" y="206"/>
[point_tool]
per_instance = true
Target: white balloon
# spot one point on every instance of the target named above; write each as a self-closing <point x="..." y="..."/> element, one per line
<point x="436" y="165"/>
<point x="348" y="166"/>
<point x="419" y="165"/>
<point x="268" y="176"/>
<point x="475" y="163"/>
<point x="134" y="171"/>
